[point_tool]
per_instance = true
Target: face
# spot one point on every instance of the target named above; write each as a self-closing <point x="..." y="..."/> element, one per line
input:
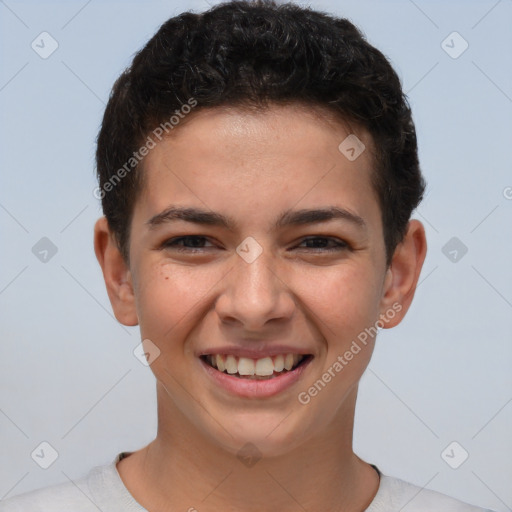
<point x="256" y="243"/>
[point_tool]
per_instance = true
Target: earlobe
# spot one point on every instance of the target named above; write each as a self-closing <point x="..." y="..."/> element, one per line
<point x="402" y="276"/>
<point x="116" y="274"/>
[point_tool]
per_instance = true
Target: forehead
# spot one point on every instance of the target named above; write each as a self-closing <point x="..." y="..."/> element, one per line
<point x="278" y="158"/>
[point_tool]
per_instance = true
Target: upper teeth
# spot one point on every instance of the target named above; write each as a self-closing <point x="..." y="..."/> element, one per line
<point x="246" y="366"/>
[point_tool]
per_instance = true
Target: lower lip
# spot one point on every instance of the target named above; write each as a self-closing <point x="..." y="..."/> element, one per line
<point x="249" y="388"/>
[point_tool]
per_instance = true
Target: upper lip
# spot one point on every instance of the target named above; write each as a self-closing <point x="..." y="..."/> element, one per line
<point x="254" y="353"/>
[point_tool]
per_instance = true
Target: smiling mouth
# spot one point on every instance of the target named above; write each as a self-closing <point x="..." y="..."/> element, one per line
<point x="256" y="369"/>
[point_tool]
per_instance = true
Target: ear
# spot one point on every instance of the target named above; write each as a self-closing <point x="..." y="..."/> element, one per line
<point x="403" y="274"/>
<point x="116" y="274"/>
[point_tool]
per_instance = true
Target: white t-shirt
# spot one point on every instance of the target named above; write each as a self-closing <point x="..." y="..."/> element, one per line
<point x="102" y="489"/>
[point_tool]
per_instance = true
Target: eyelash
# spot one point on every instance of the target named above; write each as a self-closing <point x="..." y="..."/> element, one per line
<point x="339" y="245"/>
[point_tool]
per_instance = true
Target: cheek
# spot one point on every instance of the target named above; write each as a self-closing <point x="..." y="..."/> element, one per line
<point x="170" y="299"/>
<point x="345" y="301"/>
<point x="344" y="305"/>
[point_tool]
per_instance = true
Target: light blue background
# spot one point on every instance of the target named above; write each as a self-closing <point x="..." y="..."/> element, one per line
<point x="67" y="372"/>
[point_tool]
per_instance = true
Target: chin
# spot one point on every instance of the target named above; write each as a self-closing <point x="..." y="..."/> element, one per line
<point x="262" y="435"/>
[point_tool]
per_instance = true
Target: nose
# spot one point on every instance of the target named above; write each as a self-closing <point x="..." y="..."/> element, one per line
<point x="255" y="295"/>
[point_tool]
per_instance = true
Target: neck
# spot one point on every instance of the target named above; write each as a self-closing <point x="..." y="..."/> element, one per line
<point x="183" y="469"/>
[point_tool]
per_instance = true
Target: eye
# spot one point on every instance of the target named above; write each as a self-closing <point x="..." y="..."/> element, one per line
<point x="188" y="243"/>
<point x="197" y="244"/>
<point x="321" y="244"/>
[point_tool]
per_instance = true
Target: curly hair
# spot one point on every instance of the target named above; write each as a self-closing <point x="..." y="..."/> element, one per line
<point x="252" y="55"/>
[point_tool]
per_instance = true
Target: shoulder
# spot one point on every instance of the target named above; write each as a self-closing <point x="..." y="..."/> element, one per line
<point x="86" y="494"/>
<point x="397" y="494"/>
<point x="56" y="498"/>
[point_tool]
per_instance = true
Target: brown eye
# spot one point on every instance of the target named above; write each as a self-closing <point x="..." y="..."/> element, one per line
<point x="188" y="243"/>
<point x="322" y="244"/>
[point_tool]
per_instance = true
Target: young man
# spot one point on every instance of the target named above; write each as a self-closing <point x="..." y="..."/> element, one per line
<point x="258" y="169"/>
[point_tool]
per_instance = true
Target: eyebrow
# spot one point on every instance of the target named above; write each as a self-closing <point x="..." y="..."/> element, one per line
<point x="288" y="218"/>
